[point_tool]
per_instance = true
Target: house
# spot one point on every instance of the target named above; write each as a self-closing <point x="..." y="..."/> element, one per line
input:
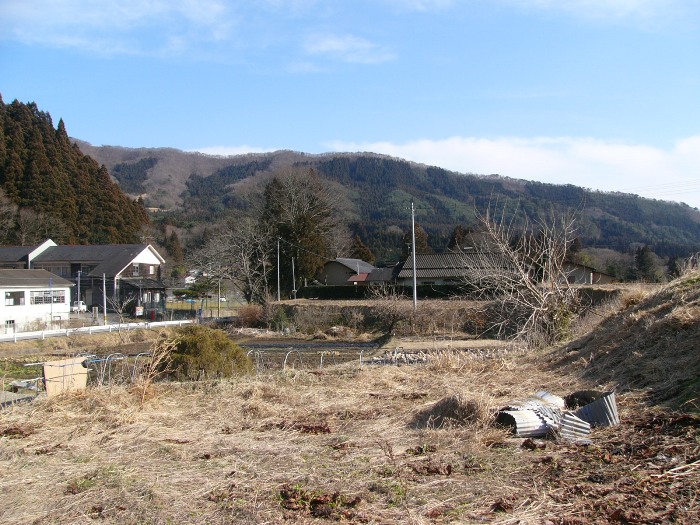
<point x="451" y="267"/>
<point x="581" y="274"/>
<point x="110" y="273"/>
<point x="344" y="271"/>
<point x="34" y="300"/>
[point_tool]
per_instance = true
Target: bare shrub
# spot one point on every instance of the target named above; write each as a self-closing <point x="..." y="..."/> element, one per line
<point x="251" y="315"/>
<point x="313" y="320"/>
<point x="353" y="317"/>
<point x="392" y="308"/>
<point x="689" y="265"/>
<point x="523" y="274"/>
<point x="159" y="365"/>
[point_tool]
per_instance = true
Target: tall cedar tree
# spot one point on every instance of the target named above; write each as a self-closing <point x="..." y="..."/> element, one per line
<point x="359" y="250"/>
<point x="458" y="239"/>
<point x="422" y="244"/>
<point x="298" y="210"/>
<point x="41" y="170"/>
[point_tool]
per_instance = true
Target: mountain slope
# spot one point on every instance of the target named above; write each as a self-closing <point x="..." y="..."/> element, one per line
<point x="51" y="189"/>
<point x="375" y="193"/>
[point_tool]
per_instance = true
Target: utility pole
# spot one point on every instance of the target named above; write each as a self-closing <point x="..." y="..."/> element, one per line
<point x="278" y="269"/>
<point x="294" y="281"/>
<point x="104" y="298"/>
<point x="79" y="274"/>
<point x="51" y="299"/>
<point x="413" y="249"/>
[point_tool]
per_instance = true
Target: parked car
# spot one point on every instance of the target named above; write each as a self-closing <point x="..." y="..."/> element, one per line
<point x="78" y="306"/>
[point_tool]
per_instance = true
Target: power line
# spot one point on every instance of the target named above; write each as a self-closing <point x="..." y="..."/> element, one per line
<point x="300" y="247"/>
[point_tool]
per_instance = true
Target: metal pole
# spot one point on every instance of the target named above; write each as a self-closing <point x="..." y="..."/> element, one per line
<point x="294" y="281"/>
<point x="104" y="298"/>
<point x="51" y="299"/>
<point x="278" y="269"/>
<point x="413" y="249"/>
<point x="79" y="273"/>
<point x="219" y="314"/>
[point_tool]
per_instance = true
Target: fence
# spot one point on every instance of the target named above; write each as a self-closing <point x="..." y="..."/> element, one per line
<point x="96" y="329"/>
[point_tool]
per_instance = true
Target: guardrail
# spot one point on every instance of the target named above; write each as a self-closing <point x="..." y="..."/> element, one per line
<point x="96" y="329"/>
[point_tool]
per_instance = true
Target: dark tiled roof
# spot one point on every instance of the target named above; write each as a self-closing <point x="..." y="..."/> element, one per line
<point x="110" y="258"/>
<point x="15" y="253"/>
<point x="31" y="278"/>
<point x="450" y="265"/>
<point x="381" y="275"/>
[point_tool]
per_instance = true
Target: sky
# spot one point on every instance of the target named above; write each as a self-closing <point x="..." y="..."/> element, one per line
<point x="603" y="94"/>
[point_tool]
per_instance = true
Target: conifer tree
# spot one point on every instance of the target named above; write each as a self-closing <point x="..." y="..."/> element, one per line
<point x="359" y="250"/>
<point x="298" y="210"/>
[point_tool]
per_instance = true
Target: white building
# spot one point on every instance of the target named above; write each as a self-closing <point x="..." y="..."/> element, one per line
<point x="34" y="300"/>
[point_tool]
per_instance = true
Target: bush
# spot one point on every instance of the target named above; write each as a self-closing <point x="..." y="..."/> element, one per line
<point x="202" y="352"/>
<point x="251" y="315"/>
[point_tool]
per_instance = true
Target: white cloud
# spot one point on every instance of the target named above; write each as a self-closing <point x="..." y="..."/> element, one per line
<point x="348" y="48"/>
<point x="591" y="163"/>
<point x="112" y="27"/>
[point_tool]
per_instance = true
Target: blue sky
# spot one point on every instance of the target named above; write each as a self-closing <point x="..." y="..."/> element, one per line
<point x="603" y="94"/>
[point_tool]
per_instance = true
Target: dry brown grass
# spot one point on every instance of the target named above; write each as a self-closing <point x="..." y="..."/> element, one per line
<point x="350" y="443"/>
<point x="650" y="344"/>
<point x="373" y="443"/>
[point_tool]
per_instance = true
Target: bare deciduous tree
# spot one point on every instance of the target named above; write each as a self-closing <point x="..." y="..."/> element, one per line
<point x="121" y="305"/>
<point x="392" y="307"/>
<point x="238" y="253"/>
<point x="524" y="275"/>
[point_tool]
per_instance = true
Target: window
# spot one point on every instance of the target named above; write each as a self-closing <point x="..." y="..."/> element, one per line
<point x="135" y="270"/>
<point x="63" y="271"/>
<point x="14" y="298"/>
<point x="48" y="296"/>
<point x="152" y="269"/>
<point x="10" y="326"/>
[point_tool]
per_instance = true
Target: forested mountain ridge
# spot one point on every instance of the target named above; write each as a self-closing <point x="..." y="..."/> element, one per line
<point x="375" y="192"/>
<point x="51" y="189"/>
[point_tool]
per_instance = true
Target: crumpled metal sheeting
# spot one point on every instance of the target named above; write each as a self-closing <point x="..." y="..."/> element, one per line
<point x="543" y="413"/>
<point x="602" y="412"/>
<point x="526" y="423"/>
<point x="535" y="415"/>
<point x="573" y="428"/>
<point x="540" y="399"/>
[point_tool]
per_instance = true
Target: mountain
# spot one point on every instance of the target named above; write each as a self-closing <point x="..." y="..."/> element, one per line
<point x="52" y="189"/>
<point x="374" y="194"/>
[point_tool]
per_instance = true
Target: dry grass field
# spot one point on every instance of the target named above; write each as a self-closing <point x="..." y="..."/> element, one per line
<point x="378" y="443"/>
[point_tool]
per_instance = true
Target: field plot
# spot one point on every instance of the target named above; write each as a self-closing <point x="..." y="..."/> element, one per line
<point x="347" y="442"/>
<point x="379" y="441"/>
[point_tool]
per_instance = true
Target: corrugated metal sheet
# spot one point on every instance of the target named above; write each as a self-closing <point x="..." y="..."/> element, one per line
<point x="525" y="423"/>
<point x="542" y="413"/>
<point x="573" y="429"/>
<point x="601" y="412"/>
